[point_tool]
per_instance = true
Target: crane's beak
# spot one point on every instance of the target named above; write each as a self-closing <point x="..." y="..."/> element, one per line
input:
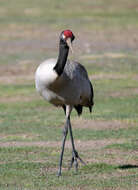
<point x="69" y="44"/>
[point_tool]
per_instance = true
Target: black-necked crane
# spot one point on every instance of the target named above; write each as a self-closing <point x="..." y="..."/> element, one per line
<point x="65" y="83"/>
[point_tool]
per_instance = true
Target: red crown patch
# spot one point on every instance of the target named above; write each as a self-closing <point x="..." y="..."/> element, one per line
<point x="68" y="33"/>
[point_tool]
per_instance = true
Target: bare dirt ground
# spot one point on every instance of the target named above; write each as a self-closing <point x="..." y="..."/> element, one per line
<point x="87" y="42"/>
<point x="23" y="71"/>
<point x="125" y="92"/>
<point x="91" y="144"/>
<point x="98" y="124"/>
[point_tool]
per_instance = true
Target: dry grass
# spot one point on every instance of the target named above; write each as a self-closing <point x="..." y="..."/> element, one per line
<point x="107" y="76"/>
<point x="81" y="145"/>
<point x="125" y="92"/>
<point x="98" y="124"/>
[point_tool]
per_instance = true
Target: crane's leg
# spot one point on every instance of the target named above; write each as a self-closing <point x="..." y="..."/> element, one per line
<point x="75" y="154"/>
<point x="65" y="132"/>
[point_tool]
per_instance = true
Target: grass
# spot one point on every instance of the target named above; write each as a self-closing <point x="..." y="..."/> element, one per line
<point x="31" y="128"/>
<point x="124" y="146"/>
<point x="39" y="171"/>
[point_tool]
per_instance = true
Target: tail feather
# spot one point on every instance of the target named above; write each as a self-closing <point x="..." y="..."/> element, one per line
<point x="79" y="109"/>
<point x="91" y="97"/>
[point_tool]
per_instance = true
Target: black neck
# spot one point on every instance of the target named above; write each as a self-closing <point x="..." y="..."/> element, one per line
<point x="62" y="58"/>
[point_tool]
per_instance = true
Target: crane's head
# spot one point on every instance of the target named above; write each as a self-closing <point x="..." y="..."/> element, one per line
<point x="67" y="38"/>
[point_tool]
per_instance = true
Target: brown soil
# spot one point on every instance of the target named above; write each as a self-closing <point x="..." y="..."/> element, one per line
<point x="98" y="124"/>
<point x="13" y="79"/>
<point x="19" y="98"/>
<point x="91" y="144"/>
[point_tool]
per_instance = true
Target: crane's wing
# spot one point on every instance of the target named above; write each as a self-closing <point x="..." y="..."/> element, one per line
<point x="76" y="70"/>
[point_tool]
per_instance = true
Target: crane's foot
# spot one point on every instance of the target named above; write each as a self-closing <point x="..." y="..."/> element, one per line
<point x="74" y="160"/>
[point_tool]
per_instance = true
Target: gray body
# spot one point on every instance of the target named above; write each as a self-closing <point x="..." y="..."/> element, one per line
<point x="71" y="88"/>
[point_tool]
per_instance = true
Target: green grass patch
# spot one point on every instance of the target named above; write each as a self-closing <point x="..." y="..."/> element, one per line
<point x="29" y="154"/>
<point x="37" y="176"/>
<point x="89" y="134"/>
<point x="98" y="168"/>
<point x="15" y="90"/>
<point x="109" y="65"/>
<point x="96" y="16"/>
<point x="124" y="146"/>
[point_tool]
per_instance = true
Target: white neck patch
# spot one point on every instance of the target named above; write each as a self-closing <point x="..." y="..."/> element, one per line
<point x="63" y="36"/>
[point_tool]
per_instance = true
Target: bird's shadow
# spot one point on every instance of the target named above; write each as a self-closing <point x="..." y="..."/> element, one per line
<point x="128" y="166"/>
